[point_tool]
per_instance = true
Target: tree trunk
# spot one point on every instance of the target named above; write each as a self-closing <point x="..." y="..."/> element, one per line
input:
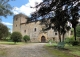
<point x="63" y="34"/>
<point x="75" y="33"/>
<point x="63" y="37"/>
<point x="59" y="36"/>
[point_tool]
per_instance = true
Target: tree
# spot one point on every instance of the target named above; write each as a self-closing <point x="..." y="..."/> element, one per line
<point x="78" y="31"/>
<point x="59" y="12"/>
<point x="26" y="38"/>
<point x="5" y="8"/>
<point x="74" y="14"/>
<point x="3" y="31"/>
<point x="60" y="22"/>
<point x="16" y="37"/>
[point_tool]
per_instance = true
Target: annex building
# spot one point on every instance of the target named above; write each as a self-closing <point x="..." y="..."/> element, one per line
<point x="34" y="30"/>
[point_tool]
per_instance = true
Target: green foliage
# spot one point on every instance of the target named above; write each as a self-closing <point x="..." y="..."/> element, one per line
<point x="26" y="38"/>
<point x="16" y="37"/>
<point x="5" y="8"/>
<point x="78" y="31"/>
<point x="3" y="31"/>
<point x="71" y="41"/>
<point x="58" y="16"/>
<point x="74" y="43"/>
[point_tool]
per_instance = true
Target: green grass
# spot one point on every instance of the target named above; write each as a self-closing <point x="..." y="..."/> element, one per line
<point x="11" y="43"/>
<point x="76" y="53"/>
<point x="75" y="50"/>
<point x="52" y="44"/>
<point x="71" y="51"/>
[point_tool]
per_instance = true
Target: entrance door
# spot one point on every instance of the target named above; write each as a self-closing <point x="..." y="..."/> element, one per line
<point x="43" y="39"/>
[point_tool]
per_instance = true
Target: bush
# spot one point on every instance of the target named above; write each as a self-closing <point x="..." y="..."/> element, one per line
<point x="71" y="41"/>
<point x="26" y="38"/>
<point x="16" y="37"/>
<point x="74" y="43"/>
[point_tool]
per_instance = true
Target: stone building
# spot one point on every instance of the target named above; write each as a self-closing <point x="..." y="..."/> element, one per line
<point x="34" y="30"/>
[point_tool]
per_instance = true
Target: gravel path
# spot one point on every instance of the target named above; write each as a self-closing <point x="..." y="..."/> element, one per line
<point x="28" y="50"/>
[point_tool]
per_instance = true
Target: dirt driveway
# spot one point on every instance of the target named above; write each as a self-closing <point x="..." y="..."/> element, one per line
<point x="27" y="50"/>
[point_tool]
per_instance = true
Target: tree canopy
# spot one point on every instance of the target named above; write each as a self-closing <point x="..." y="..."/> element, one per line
<point x="5" y="8"/>
<point x="3" y="31"/>
<point x="60" y="12"/>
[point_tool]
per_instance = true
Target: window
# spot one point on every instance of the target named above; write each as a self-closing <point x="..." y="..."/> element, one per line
<point x="16" y="19"/>
<point x="16" y="25"/>
<point x="53" y="39"/>
<point x="35" y="29"/>
<point x="55" y="33"/>
<point x="25" y="31"/>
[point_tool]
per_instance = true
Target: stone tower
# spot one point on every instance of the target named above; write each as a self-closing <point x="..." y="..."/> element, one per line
<point x="17" y="20"/>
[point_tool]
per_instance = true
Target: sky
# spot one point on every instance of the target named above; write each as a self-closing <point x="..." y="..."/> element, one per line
<point x="19" y="6"/>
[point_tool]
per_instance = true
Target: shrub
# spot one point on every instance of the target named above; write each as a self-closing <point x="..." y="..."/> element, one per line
<point x="16" y="37"/>
<point x="26" y="38"/>
<point x="71" y="41"/>
<point x="74" y="43"/>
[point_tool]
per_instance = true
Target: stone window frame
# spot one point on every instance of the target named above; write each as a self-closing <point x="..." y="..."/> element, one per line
<point x="24" y="31"/>
<point x="35" y="29"/>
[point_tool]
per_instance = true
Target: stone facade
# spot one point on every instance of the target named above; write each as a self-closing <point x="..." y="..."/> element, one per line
<point x="34" y="30"/>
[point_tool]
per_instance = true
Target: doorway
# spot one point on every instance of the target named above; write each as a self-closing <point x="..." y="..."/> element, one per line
<point x="43" y="39"/>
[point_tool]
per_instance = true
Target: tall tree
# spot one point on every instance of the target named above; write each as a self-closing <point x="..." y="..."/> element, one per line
<point x="74" y="14"/>
<point x="3" y="31"/>
<point x="59" y="12"/>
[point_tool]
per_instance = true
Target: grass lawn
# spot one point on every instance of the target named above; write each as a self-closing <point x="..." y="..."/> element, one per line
<point x="75" y="50"/>
<point x="11" y="43"/>
<point x="71" y="51"/>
